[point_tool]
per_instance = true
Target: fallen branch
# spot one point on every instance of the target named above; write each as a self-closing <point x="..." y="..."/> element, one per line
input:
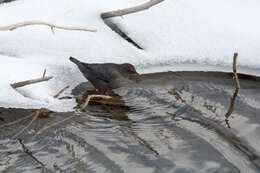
<point x="232" y="101"/>
<point x="93" y="96"/>
<point x="29" y="82"/>
<point x="27" y="151"/>
<point x="27" y="23"/>
<point x="135" y="9"/>
<point x="61" y="91"/>
<point x="38" y="112"/>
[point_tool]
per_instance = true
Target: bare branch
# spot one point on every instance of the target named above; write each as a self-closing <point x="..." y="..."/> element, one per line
<point x="61" y="91"/>
<point x="135" y="9"/>
<point x="29" y="82"/>
<point x="27" y="23"/>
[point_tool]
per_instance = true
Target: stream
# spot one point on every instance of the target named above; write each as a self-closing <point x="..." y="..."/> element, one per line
<point x="169" y="122"/>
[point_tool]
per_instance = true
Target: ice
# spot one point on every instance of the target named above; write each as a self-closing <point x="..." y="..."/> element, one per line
<point x="176" y="35"/>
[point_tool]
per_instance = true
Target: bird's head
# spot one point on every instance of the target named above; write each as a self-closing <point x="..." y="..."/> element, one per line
<point x="131" y="72"/>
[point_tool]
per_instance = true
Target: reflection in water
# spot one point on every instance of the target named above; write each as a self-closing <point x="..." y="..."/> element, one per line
<point x="231" y="107"/>
<point x="170" y="122"/>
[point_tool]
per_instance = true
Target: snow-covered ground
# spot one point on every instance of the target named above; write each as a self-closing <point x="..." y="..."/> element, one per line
<point x="175" y="35"/>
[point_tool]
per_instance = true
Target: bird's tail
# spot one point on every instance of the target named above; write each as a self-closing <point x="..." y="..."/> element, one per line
<point x="77" y="62"/>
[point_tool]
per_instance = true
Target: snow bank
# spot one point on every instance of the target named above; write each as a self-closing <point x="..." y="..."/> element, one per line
<point x="175" y="35"/>
<point x="200" y="31"/>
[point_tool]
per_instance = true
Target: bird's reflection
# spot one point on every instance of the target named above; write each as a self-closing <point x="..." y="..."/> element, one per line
<point x="114" y="108"/>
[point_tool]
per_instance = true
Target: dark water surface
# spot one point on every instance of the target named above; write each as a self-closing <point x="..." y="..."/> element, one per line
<point x="170" y="122"/>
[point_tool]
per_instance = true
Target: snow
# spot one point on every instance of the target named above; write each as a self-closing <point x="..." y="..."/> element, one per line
<point x="176" y="35"/>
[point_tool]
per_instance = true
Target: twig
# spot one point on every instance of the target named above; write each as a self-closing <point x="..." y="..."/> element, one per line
<point x="93" y="96"/>
<point x="27" y="23"/>
<point x="38" y="112"/>
<point x="135" y="9"/>
<point x="232" y="101"/>
<point x="44" y="73"/>
<point x="29" y="82"/>
<point x="27" y="151"/>
<point x="61" y="91"/>
<point x="67" y="97"/>
<point x="235" y="71"/>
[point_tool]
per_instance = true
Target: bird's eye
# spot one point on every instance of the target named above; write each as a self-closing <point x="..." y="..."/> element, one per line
<point x="131" y="70"/>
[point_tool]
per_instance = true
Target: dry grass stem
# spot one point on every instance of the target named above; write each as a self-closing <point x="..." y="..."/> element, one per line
<point x="93" y="96"/>
<point x="52" y="125"/>
<point x="38" y="112"/>
<point x="61" y="91"/>
<point x="70" y="117"/>
<point x="27" y="23"/>
<point x="17" y="121"/>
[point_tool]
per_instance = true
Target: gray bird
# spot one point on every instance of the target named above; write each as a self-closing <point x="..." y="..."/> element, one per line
<point x="108" y="76"/>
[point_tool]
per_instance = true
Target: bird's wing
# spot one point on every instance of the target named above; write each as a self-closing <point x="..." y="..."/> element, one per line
<point x="103" y="78"/>
<point x="102" y="72"/>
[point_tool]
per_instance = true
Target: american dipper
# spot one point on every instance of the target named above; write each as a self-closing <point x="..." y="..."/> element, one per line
<point x="108" y="76"/>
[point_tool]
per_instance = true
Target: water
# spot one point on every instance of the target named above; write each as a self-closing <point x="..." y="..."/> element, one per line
<point x="170" y="122"/>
